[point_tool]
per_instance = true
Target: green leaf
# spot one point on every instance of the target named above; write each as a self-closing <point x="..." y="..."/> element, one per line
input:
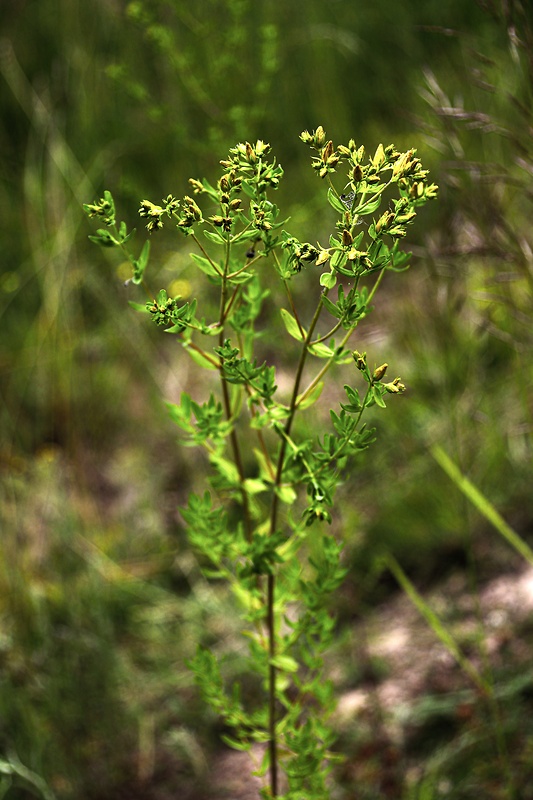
<point x="103" y="238"/>
<point x="254" y="486"/>
<point x="328" y="279"/>
<point x="140" y="264"/>
<point x="226" y="469"/>
<point x="235" y="744"/>
<point x="205" y="265"/>
<point x="378" y="396"/>
<point x="333" y="309"/>
<point x="311" y="398"/>
<point x="338" y="259"/>
<point x="370" y="206"/>
<point x="321" y="350"/>
<point x="335" y="203"/>
<point x="199" y="358"/>
<point x="286" y="494"/>
<point x="285" y="663"/>
<point x="213" y="236"/>
<point x="139" y="307"/>
<point x="293" y="329"/>
<point x="436" y="624"/>
<point x="242" y="277"/>
<point x="482" y="503"/>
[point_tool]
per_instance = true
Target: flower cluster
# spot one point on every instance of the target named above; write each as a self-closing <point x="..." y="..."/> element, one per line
<point x="154" y="213"/>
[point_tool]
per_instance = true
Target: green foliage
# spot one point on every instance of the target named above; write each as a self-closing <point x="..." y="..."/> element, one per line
<point x="259" y="532"/>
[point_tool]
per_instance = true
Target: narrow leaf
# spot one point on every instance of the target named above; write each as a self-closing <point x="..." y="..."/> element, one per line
<point x="311" y="398"/>
<point x="483" y="505"/>
<point x="291" y="325"/>
<point x="204" y="264"/>
<point x="436" y="624"/>
<point x="285" y="663"/>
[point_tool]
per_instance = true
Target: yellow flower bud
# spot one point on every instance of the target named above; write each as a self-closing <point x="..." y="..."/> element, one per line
<point x="323" y="256"/>
<point x="379" y="157"/>
<point x="320" y="136"/>
<point x="379" y="372"/>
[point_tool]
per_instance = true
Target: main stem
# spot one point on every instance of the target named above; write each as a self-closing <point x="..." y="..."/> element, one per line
<point x="271" y="583"/>
<point x="226" y="398"/>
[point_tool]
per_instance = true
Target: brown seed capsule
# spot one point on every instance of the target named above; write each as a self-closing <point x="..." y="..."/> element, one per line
<point x="250" y="155"/>
<point x="327" y="151"/>
<point x="357" y="173"/>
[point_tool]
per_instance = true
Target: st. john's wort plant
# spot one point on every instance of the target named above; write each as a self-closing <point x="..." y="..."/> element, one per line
<point x="272" y="481"/>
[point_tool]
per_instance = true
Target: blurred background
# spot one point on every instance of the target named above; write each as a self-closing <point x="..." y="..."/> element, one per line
<point x="101" y="600"/>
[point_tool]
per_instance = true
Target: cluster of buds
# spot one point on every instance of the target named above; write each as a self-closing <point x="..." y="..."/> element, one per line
<point x="163" y="308"/>
<point x="316" y="140"/>
<point x="190" y="213"/>
<point x="375" y="377"/>
<point x="154" y="212"/>
<point x="247" y="160"/>
<point x="230" y="183"/>
<point x="329" y="156"/>
<point x="300" y="253"/>
<point x="418" y="190"/>
<point x="395" y="387"/>
<point x="261" y="221"/>
<point x="197" y="186"/>
<point x="104" y="208"/>
<point x="219" y="221"/>
<point x="408" y="167"/>
<point x="245" y="155"/>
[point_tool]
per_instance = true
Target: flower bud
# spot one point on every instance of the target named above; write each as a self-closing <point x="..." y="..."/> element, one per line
<point x="320" y="136"/>
<point x="384" y="221"/>
<point x="261" y="147"/>
<point x="379" y="157"/>
<point x="379" y="372"/>
<point x="360" y="360"/>
<point x="396" y="387"/>
<point x="197" y="187"/>
<point x="323" y="256"/>
<point x="193" y="208"/>
<point x="347" y="238"/>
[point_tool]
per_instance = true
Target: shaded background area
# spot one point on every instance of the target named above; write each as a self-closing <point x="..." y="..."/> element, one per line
<point x="101" y="601"/>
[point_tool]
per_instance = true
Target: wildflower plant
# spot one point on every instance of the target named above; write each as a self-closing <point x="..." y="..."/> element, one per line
<point x="260" y="524"/>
